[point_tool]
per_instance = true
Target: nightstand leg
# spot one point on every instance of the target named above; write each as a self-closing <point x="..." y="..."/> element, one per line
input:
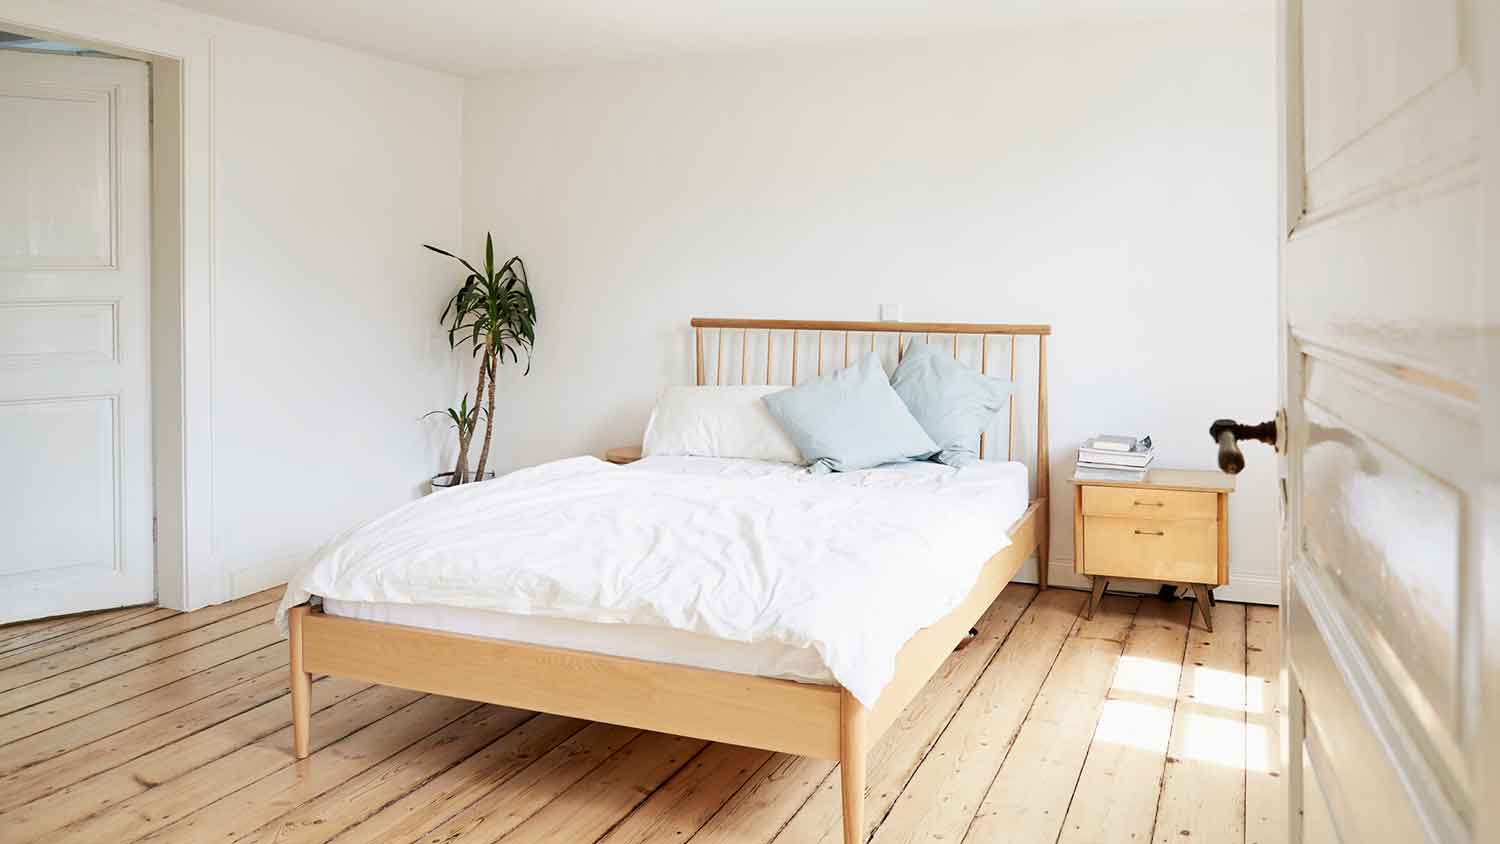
<point x="1100" y="584"/>
<point x="1201" y="592"/>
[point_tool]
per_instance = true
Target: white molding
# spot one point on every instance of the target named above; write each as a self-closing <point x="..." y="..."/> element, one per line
<point x="156" y="33"/>
<point x="1242" y="588"/>
<point x="262" y="575"/>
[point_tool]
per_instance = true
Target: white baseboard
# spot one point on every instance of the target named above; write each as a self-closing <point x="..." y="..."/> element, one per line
<point x="1242" y="588"/>
<point x="247" y="581"/>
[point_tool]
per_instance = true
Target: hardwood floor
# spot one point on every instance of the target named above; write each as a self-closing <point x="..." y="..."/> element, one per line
<point x="150" y="725"/>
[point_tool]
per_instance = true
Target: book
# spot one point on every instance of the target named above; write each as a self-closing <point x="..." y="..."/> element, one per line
<point x="1133" y="459"/>
<point x="1118" y="442"/>
<point x="1095" y="473"/>
<point x="1090" y="464"/>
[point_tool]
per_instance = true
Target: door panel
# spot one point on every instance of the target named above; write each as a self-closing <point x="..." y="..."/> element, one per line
<point x="1382" y="322"/>
<point x="1389" y="532"/>
<point x="57" y="174"/>
<point x="62" y="526"/>
<point x="56" y="333"/>
<point x="1362" y="759"/>
<point x="1366" y="61"/>
<point x="75" y="490"/>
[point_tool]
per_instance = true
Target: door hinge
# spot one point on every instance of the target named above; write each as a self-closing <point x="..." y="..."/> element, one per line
<point x="153" y="530"/>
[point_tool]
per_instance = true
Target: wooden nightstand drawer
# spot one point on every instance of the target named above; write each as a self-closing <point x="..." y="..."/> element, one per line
<point x="1149" y="503"/>
<point x="1184" y="551"/>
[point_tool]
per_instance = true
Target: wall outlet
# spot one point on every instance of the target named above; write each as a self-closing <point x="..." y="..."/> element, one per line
<point x="890" y="313"/>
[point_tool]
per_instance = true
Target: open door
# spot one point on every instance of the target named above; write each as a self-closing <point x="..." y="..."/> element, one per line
<point x="1384" y="365"/>
<point x="75" y="402"/>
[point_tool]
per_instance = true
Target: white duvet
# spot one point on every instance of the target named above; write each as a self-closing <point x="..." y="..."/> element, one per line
<point x="850" y="565"/>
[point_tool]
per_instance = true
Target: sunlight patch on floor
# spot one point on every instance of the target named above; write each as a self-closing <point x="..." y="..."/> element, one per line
<point x="1147" y="676"/>
<point x="1213" y="738"/>
<point x="1219" y="738"/>
<point x="1134" y="724"/>
<point x="1217" y="688"/>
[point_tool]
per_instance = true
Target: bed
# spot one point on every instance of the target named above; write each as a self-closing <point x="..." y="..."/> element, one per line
<point x="760" y="649"/>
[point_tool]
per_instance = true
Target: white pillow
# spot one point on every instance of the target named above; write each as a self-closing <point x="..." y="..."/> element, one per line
<point x="717" y="422"/>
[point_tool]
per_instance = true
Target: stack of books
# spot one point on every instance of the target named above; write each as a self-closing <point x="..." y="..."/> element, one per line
<point x="1114" y="458"/>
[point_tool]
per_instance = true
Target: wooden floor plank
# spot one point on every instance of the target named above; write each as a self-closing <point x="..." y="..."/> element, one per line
<point x="41" y="680"/>
<point x="66" y="625"/>
<point x="355" y="799"/>
<point x="97" y="696"/>
<point x="521" y="796"/>
<point x="894" y="759"/>
<point x="1115" y="799"/>
<point x="1265" y="797"/>
<point x="452" y="791"/>
<point x="121" y="637"/>
<point x="1030" y="795"/>
<point x="20" y="656"/>
<point x="63" y="737"/>
<point x="684" y="804"/>
<point x="759" y="810"/>
<point x="591" y="806"/>
<point x="55" y="773"/>
<point x="1203" y="790"/>
<point x="943" y="796"/>
<point x="166" y="801"/>
<point x="292" y="786"/>
<point x="92" y="796"/>
<point x="17" y="628"/>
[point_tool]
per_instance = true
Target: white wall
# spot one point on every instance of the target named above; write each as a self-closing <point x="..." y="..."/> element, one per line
<point x="321" y="171"/>
<point x="332" y="169"/>
<point x="1118" y="183"/>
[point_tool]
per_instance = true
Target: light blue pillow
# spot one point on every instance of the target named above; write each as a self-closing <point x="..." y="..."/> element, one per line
<point x="953" y="402"/>
<point x="850" y="419"/>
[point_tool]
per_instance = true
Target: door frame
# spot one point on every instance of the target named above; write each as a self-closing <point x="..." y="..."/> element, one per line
<point x="182" y="282"/>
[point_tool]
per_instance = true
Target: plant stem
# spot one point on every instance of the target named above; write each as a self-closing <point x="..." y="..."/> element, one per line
<point x="489" y="413"/>
<point x="461" y="473"/>
<point x="461" y="468"/>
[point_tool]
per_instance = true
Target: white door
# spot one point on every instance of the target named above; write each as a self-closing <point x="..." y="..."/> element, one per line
<point x="1384" y="365"/>
<point x="75" y="429"/>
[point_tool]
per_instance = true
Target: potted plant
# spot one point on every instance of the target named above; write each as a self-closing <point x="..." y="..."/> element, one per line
<point x="495" y="313"/>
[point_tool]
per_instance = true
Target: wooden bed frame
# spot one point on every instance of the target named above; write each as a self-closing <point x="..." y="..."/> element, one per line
<point x="780" y="715"/>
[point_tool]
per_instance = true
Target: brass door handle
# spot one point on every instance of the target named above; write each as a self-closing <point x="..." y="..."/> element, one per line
<point x="1227" y="433"/>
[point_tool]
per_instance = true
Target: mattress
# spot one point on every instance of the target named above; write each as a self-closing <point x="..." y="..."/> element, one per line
<point x="637" y="641"/>
<point x="1005" y="485"/>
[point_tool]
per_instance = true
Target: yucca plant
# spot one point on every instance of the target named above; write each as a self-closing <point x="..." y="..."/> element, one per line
<point x="465" y="420"/>
<point x="495" y="313"/>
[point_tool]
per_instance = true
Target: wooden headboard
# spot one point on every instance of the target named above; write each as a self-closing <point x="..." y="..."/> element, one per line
<point x="849" y="343"/>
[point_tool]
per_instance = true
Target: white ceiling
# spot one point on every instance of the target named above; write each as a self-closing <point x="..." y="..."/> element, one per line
<point x="475" y="37"/>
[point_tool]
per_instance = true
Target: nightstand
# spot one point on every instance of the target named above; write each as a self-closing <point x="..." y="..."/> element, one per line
<point x="623" y="455"/>
<point x="1172" y="527"/>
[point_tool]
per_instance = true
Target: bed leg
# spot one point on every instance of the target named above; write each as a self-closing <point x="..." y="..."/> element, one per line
<point x="852" y="767"/>
<point x="1043" y="543"/>
<point x="301" y="684"/>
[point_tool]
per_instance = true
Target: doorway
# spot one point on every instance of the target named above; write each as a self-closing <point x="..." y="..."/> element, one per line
<point x="90" y="298"/>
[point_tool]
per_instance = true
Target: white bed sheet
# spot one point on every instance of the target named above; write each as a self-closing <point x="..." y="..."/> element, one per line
<point x="637" y="641"/>
<point x="713" y="574"/>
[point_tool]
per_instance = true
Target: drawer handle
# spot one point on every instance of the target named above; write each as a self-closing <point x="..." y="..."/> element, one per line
<point x="1150" y="533"/>
<point x="1150" y="503"/>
